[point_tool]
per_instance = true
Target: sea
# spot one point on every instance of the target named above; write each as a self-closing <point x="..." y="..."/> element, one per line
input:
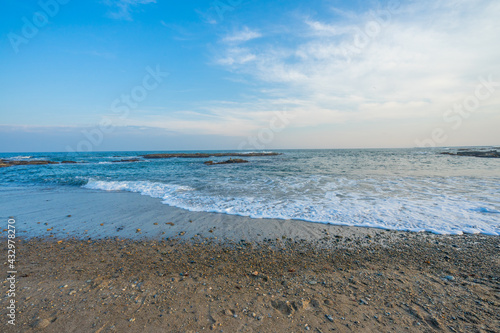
<point x="417" y="189"/>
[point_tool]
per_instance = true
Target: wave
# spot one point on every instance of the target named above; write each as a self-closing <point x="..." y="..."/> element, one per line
<point x="361" y="209"/>
<point x="152" y="189"/>
<point x="17" y="158"/>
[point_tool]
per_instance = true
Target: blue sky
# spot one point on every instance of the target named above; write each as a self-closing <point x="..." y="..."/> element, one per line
<point x="248" y="74"/>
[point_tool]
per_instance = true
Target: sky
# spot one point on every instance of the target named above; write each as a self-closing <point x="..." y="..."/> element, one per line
<point x="109" y="75"/>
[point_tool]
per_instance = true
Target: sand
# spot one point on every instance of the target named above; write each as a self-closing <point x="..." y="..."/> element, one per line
<point x="79" y="212"/>
<point x="221" y="273"/>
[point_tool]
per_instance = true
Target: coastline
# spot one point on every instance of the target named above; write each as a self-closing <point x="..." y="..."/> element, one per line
<point x="238" y="274"/>
<point x="79" y="213"/>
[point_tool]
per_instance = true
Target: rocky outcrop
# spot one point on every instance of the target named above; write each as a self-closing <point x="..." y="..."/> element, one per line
<point x="126" y="160"/>
<point x="205" y="155"/>
<point x="229" y="161"/>
<point x="7" y="163"/>
<point x="474" y="153"/>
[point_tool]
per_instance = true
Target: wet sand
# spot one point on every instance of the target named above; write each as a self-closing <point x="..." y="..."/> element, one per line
<point x="214" y="272"/>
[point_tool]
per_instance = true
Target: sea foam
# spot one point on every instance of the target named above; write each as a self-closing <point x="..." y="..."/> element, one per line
<point x="363" y="208"/>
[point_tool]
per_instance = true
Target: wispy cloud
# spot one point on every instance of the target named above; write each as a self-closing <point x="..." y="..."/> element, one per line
<point x="411" y="63"/>
<point x="123" y="8"/>
<point x="243" y="35"/>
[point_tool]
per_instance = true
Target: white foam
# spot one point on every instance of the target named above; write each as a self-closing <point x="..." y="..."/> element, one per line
<point x="414" y="205"/>
<point x="20" y="157"/>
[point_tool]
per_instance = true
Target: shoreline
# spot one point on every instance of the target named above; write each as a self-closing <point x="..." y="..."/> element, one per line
<point x="226" y="273"/>
<point x="61" y="213"/>
<point x="67" y="212"/>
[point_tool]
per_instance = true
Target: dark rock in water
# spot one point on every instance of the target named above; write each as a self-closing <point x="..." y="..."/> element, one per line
<point x="204" y="155"/>
<point x="229" y="161"/>
<point x="68" y="162"/>
<point x="474" y="153"/>
<point x="7" y="163"/>
<point x="126" y="160"/>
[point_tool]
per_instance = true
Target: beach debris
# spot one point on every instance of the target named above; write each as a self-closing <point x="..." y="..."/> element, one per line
<point x="155" y="223"/>
<point x="131" y="320"/>
<point x="291" y="270"/>
<point x="101" y="224"/>
<point x="255" y="273"/>
<point x="182" y="233"/>
<point x="50" y="229"/>
<point x="68" y="215"/>
<point x="312" y="282"/>
<point x="138" y="230"/>
<point x="449" y="278"/>
<point x="59" y="242"/>
<point x="170" y="224"/>
<point x="329" y="317"/>
<point x="72" y="292"/>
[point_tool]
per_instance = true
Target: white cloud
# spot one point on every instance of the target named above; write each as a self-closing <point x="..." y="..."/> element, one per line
<point x="124" y="8"/>
<point x="242" y="36"/>
<point x="237" y="56"/>
<point x="410" y="63"/>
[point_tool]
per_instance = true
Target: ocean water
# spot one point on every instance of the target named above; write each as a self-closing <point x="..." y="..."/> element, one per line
<point x="398" y="189"/>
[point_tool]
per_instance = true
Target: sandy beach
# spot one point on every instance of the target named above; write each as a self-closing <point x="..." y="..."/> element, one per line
<point x="89" y="269"/>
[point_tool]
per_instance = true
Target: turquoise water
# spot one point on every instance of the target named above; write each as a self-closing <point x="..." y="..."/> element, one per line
<point x="400" y="189"/>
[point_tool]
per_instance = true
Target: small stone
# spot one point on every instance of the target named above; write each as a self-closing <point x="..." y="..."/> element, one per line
<point x="72" y="292"/>
<point x="312" y="282"/>
<point x="131" y="320"/>
<point x="449" y="278"/>
<point x="138" y="230"/>
<point x="42" y="323"/>
<point x="255" y="273"/>
<point x="329" y="317"/>
<point x="155" y="223"/>
<point x="363" y="302"/>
